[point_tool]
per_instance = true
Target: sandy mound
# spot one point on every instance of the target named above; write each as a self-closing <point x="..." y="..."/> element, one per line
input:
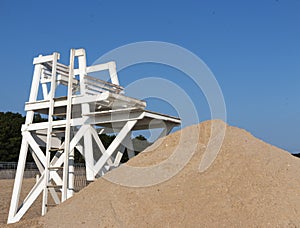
<point x="250" y="183"/>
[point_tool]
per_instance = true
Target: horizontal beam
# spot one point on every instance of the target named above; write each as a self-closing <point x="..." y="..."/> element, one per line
<point x="43" y="59"/>
<point x="44" y="104"/>
<point x="98" y="67"/>
<point x="159" y="116"/>
<point x="105" y="118"/>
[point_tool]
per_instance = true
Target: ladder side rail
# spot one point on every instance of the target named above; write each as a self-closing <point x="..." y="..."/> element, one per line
<point x="68" y="126"/>
<point x="51" y="96"/>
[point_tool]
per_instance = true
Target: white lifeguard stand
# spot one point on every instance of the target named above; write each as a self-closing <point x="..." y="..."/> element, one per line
<point x="90" y="107"/>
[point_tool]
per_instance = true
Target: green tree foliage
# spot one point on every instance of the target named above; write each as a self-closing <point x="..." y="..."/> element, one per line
<point x="10" y="138"/>
<point x="139" y="143"/>
<point x="107" y="139"/>
<point x="10" y="135"/>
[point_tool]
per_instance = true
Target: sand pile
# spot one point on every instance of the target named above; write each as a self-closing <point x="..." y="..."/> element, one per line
<point x="250" y="183"/>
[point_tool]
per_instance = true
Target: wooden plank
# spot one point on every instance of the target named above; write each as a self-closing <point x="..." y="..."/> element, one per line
<point x="103" y="82"/>
<point x="68" y="127"/>
<point x="44" y="59"/>
<point x="160" y="116"/>
<point x="126" y="110"/>
<point x="63" y="79"/>
<point x="113" y="73"/>
<point x="59" y="67"/>
<point x="98" y="67"/>
<point x="95" y="90"/>
<point x="101" y="88"/>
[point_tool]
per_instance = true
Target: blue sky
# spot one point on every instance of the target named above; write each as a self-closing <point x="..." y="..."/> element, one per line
<point x="252" y="47"/>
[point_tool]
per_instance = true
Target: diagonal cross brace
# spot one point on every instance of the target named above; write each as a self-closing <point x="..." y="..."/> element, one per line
<point x="114" y="145"/>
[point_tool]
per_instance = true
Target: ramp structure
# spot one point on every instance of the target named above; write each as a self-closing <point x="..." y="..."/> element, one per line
<point x="90" y="107"/>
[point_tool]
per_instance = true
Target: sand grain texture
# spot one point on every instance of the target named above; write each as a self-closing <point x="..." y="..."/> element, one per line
<point x="251" y="183"/>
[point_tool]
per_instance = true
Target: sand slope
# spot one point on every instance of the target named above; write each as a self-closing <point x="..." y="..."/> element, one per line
<point x="251" y="183"/>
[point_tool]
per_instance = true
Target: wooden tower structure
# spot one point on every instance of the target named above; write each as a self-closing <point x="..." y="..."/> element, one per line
<point x="89" y="107"/>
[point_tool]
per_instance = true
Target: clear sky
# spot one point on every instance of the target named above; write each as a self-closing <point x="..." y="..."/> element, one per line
<point x="252" y="47"/>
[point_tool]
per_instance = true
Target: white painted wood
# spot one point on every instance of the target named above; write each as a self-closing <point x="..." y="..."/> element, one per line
<point x="114" y="145"/>
<point x="85" y="108"/>
<point x="113" y="73"/>
<point x="36" y="149"/>
<point x="18" y="183"/>
<point x="45" y="91"/>
<point x="41" y="169"/>
<point x="80" y="52"/>
<point x="37" y="161"/>
<point x="71" y="177"/>
<point x="24" y="148"/>
<point x="49" y="132"/>
<point x="35" y="83"/>
<point x="63" y="79"/>
<point x="100" y="146"/>
<point x="43" y="59"/>
<point x="85" y="111"/>
<point x="106" y="96"/>
<point x="78" y="136"/>
<point x="89" y="157"/>
<point x="32" y="196"/>
<point x="98" y="67"/>
<point x="101" y="86"/>
<point x="118" y="156"/>
<point x="129" y="144"/>
<point x="68" y="127"/>
<point x="111" y="118"/>
<point x="159" y="116"/>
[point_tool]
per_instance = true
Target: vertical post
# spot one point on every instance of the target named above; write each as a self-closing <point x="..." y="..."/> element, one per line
<point x="89" y="156"/>
<point x="112" y="68"/>
<point x="68" y="127"/>
<point x="44" y="86"/>
<point x="88" y="146"/>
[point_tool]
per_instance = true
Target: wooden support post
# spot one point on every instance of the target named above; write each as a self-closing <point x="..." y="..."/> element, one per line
<point x="68" y="127"/>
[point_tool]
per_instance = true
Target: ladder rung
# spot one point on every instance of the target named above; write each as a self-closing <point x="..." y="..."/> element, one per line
<point x="55" y="150"/>
<point x="54" y="186"/>
<point x="52" y="167"/>
<point x="59" y="66"/>
<point x="58" y="131"/>
<point x="59" y="114"/>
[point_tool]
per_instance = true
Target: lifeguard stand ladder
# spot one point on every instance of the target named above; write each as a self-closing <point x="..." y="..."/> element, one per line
<point x="91" y="107"/>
